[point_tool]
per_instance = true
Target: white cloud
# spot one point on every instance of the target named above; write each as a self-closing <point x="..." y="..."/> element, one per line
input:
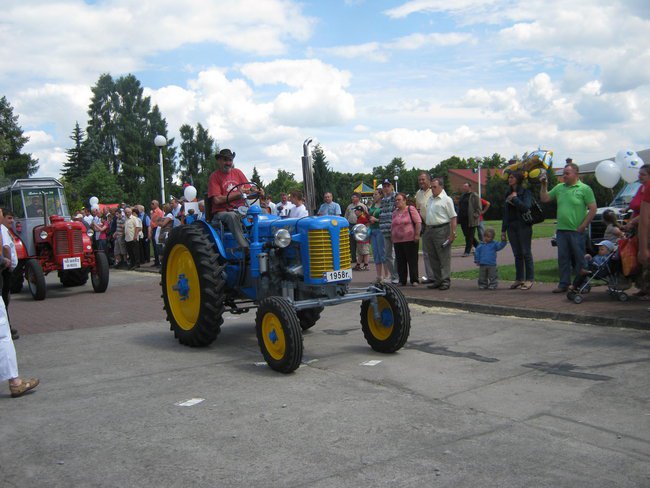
<point x="320" y="98"/>
<point x="78" y="41"/>
<point x="418" y="6"/>
<point x="381" y="51"/>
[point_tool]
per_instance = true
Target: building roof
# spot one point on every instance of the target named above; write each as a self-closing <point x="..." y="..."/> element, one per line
<point x="469" y="174"/>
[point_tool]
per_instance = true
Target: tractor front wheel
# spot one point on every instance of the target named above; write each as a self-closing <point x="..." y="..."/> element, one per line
<point x="278" y="334"/>
<point x="388" y="331"/>
<point x="35" y="279"/>
<point x="193" y="286"/>
<point x="99" y="276"/>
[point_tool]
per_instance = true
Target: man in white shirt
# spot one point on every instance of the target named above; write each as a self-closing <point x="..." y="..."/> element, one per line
<point x="8" y="251"/>
<point x="298" y="210"/>
<point x="132" y="230"/>
<point x="421" y="198"/>
<point x="284" y="205"/>
<point x="440" y="217"/>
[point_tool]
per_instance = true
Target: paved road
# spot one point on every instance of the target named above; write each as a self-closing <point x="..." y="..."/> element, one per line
<point x="473" y="400"/>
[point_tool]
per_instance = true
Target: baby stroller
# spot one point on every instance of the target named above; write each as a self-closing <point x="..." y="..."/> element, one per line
<point x="610" y="271"/>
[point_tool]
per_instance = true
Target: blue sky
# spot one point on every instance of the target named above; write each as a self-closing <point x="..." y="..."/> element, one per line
<point x="368" y="80"/>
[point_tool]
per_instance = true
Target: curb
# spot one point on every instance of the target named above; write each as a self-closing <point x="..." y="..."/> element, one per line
<point x="534" y="313"/>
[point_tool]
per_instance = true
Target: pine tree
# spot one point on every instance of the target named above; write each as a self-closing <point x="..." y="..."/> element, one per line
<point x="256" y="177"/>
<point x="322" y="173"/>
<point x="78" y="162"/>
<point x="13" y="162"/>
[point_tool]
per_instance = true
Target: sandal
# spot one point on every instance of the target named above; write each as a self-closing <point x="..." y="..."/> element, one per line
<point x="357" y="268"/>
<point x="526" y="285"/>
<point x="365" y="268"/>
<point x="23" y="387"/>
<point x="516" y="284"/>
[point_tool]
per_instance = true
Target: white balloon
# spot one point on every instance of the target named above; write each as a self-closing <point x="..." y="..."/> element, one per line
<point x="623" y="155"/>
<point x="630" y="171"/>
<point x="608" y="173"/>
<point x="189" y="193"/>
<point x="94" y="201"/>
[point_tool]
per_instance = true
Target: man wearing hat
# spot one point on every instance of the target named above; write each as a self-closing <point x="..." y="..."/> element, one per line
<point x="221" y="181"/>
<point x="385" y="224"/>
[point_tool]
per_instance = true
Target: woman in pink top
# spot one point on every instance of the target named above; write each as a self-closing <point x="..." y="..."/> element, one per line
<point x="405" y="233"/>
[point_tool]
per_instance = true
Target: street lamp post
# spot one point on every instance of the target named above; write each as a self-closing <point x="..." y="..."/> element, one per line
<point x="161" y="142"/>
<point x="396" y="178"/>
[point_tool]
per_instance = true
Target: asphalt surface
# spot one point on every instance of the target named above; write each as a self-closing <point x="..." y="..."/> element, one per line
<point x="472" y="400"/>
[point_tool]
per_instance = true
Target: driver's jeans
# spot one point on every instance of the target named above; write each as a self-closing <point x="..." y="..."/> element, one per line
<point x="232" y="220"/>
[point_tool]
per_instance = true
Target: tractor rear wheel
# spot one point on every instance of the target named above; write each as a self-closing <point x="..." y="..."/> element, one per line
<point x="74" y="277"/>
<point x="278" y="334"/>
<point x="389" y="332"/>
<point x="99" y="276"/>
<point x="308" y="317"/>
<point x="35" y="279"/>
<point x="192" y="286"/>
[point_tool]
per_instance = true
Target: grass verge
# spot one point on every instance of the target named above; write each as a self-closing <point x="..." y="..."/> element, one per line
<point x="545" y="272"/>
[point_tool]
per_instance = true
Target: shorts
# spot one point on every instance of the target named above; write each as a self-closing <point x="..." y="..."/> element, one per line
<point x="363" y="248"/>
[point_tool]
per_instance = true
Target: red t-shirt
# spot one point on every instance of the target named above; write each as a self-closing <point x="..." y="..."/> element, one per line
<point x="221" y="183"/>
<point x="646" y="192"/>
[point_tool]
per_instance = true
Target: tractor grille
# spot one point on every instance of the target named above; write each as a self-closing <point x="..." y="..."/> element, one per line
<point x="321" y="253"/>
<point x="68" y="242"/>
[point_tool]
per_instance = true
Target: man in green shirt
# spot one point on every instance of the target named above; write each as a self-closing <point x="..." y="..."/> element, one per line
<point x="576" y="207"/>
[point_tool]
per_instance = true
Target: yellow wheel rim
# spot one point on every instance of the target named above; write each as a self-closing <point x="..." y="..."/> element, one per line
<point x="183" y="289"/>
<point x="381" y="329"/>
<point x="273" y="336"/>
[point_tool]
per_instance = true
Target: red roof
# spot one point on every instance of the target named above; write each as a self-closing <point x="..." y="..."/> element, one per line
<point x="469" y="174"/>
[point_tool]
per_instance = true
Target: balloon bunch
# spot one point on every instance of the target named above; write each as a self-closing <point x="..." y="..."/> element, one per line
<point x="626" y="166"/>
<point x="533" y="165"/>
<point x="94" y="203"/>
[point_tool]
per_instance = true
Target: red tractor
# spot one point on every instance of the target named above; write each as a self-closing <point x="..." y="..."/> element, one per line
<point x="46" y="240"/>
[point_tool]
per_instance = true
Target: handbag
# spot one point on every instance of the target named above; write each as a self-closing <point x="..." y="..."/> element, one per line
<point x="534" y="215"/>
<point x="627" y="251"/>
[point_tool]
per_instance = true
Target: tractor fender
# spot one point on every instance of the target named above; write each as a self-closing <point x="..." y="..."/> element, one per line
<point x="214" y="237"/>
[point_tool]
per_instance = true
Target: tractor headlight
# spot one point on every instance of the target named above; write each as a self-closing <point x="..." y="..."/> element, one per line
<point x="282" y="238"/>
<point x="43" y="235"/>
<point x="360" y="232"/>
<point x="90" y="232"/>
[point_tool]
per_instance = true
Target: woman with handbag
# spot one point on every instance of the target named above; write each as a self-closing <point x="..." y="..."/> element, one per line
<point x="405" y="234"/>
<point x="520" y="233"/>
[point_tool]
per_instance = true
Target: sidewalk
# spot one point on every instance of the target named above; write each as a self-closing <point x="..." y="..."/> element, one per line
<point x="598" y="307"/>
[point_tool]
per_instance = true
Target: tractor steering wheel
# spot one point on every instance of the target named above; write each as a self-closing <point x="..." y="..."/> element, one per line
<point x="253" y="195"/>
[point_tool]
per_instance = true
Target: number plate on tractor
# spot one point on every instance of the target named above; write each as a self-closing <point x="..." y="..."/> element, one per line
<point x="340" y="275"/>
<point x="71" y="263"/>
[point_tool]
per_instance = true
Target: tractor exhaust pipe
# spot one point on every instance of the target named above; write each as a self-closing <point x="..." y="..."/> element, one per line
<point x="308" y="178"/>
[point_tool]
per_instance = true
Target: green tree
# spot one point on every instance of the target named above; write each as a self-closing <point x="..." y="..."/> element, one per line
<point x="14" y="163"/>
<point x="285" y="182"/>
<point x="196" y="160"/>
<point x="442" y="169"/>
<point x="322" y="174"/>
<point x="78" y="161"/>
<point x="256" y="177"/>
<point x="100" y="182"/>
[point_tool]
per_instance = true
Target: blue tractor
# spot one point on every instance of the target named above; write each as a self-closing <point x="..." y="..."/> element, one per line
<point x="293" y="268"/>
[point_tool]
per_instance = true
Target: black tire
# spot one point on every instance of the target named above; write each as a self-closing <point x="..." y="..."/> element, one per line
<point x="578" y="299"/>
<point x="278" y="334"/>
<point x="99" y="276"/>
<point x="35" y="279"/>
<point x="571" y="295"/>
<point x="623" y="297"/>
<point x="74" y="277"/>
<point x="390" y="334"/>
<point x="17" y="278"/>
<point x="192" y="286"/>
<point x="308" y="317"/>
